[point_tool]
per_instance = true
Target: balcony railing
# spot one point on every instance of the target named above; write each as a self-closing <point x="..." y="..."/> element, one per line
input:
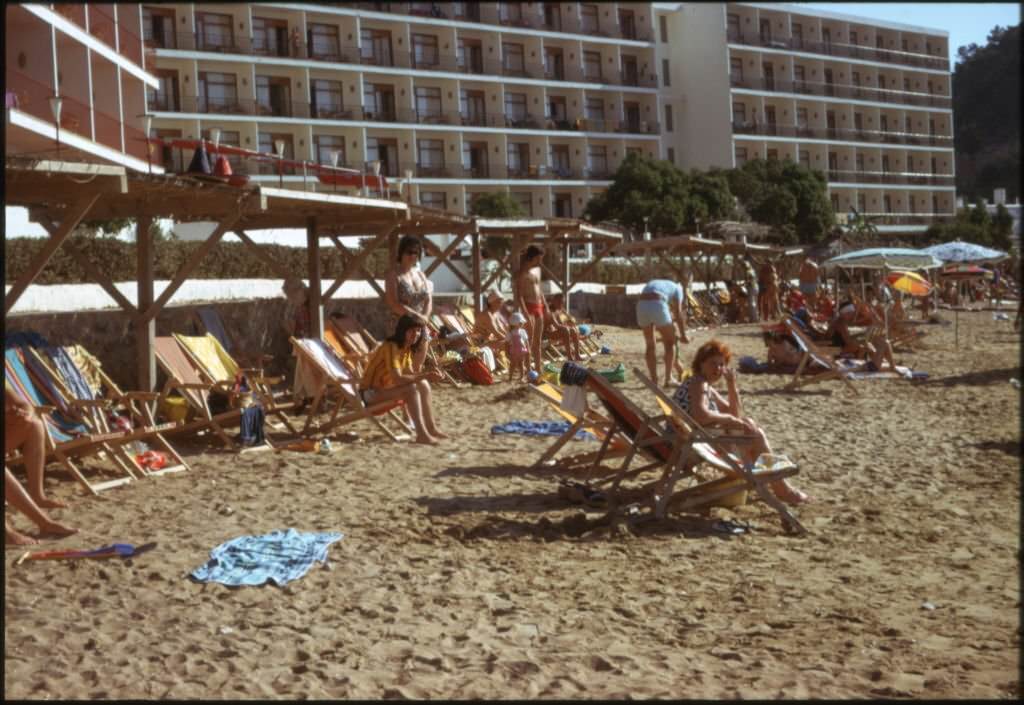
<point x="908" y="218"/>
<point x="842" y="90"/>
<point x="829" y="133"/>
<point x="890" y="177"/>
<point x="851" y="51"/>
<point x="243" y="106"/>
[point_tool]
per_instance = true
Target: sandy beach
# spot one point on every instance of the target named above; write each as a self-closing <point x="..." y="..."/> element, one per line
<point x="463" y="575"/>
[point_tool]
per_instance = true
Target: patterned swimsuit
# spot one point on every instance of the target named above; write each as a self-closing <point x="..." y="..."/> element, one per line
<point x="682" y="395"/>
<point x="407" y="296"/>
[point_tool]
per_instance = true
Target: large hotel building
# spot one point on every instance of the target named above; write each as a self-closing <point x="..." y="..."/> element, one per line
<point x="543" y="100"/>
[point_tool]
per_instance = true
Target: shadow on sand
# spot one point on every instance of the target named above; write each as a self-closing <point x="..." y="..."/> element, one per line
<point x="978" y="379"/>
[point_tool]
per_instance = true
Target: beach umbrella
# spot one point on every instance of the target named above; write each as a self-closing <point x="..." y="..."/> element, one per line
<point x="909" y="283"/>
<point x="885" y="258"/>
<point x="959" y="251"/>
<point x="966" y="271"/>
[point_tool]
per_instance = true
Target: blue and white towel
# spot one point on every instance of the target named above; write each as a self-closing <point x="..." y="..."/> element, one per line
<point x="541" y="428"/>
<point x="281" y="556"/>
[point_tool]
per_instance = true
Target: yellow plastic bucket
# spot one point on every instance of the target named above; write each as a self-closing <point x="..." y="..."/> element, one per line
<point x="174" y="409"/>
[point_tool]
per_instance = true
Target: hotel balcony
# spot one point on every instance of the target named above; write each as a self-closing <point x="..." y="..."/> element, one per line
<point x="837" y="90"/>
<point x="840" y="134"/>
<point x="103" y="26"/>
<point x="894" y="178"/>
<point x="889" y="56"/>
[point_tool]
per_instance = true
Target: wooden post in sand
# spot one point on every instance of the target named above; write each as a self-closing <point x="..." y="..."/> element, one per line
<point x="316" y="306"/>
<point x="145" y="329"/>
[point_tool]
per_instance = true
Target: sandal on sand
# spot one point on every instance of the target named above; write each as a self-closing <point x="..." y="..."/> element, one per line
<point x="578" y="493"/>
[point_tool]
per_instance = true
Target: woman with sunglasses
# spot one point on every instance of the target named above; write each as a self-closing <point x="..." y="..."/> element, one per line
<point x="407" y="292"/>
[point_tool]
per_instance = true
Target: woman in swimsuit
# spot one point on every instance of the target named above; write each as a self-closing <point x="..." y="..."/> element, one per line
<point x="700" y="400"/>
<point x="407" y="292"/>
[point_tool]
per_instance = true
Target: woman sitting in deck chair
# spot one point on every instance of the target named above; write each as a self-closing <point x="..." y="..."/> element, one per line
<point x="388" y="375"/>
<point x="697" y="397"/>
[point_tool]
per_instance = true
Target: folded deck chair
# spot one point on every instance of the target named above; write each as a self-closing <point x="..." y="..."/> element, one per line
<point x="612" y="444"/>
<point x="809" y="351"/>
<point x="183" y="377"/>
<point x="341" y="383"/>
<point x="98" y="396"/>
<point x="66" y="438"/>
<point x="208" y="320"/>
<point x="216" y="365"/>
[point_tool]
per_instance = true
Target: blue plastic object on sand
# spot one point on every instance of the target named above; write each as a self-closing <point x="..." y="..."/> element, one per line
<point x="605" y="350"/>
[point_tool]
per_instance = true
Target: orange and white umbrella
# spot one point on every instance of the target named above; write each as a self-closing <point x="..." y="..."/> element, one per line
<point x="909" y="283"/>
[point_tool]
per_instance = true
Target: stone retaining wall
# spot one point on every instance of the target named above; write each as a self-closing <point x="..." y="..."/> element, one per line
<point x="609" y="309"/>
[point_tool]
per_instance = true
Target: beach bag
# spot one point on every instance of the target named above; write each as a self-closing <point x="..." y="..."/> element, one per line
<point x="476" y="371"/>
<point x="487" y="355"/>
<point x="551" y="372"/>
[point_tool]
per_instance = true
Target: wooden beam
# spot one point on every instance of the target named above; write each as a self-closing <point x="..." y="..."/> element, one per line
<point x="477" y="289"/>
<point x="316" y="304"/>
<point x="442" y="258"/>
<point x="188" y="267"/>
<point x="93" y="271"/>
<point x="357" y="261"/>
<point x="72" y="218"/>
<point x="565" y="277"/>
<point x="145" y="334"/>
<point x="503" y="266"/>
<point x="346" y="256"/>
<point x="263" y="256"/>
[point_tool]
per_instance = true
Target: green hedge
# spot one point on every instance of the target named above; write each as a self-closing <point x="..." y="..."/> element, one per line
<point x="228" y="260"/>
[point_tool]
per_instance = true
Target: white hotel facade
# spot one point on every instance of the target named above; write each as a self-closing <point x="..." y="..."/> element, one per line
<point x="542" y="100"/>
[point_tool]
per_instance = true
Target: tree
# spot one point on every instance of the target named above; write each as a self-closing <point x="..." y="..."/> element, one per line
<point x="655" y="193"/>
<point x="859" y="228"/>
<point x="784" y="195"/>
<point x="496" y="205"/>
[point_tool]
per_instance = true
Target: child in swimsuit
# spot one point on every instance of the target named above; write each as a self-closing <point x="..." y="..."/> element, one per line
<point x="518" y="346"/>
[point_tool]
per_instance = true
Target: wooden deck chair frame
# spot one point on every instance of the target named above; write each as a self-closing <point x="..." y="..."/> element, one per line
<point x="208" y="320"/>
<point x="183" y="377"/>
<point x="467" y="316"/>
<point x="64" y="447"/>
<point x="344" y="383"/>
<point x="356" y="343"/>
<point x="592" y="421"/>
<point x="96" y="406"/>
<point x="710" y="448"/>
<point x="810" y="352"/>
<point x="261" y="386"/>
<point x="588" y="343"/>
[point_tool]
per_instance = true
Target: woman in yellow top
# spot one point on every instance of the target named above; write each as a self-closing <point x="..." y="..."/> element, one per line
<point x="389" y="376"/>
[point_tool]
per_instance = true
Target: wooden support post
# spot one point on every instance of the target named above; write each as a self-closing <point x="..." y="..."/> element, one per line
<point x="316" y="304"/>
<point x="145" y="329"/>
<point x="478" y="302"/>
<point x="71" y="220"/>
<point x="565" y="277"/>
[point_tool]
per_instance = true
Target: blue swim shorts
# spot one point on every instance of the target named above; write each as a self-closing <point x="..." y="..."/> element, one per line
<point x="651" y="312"/>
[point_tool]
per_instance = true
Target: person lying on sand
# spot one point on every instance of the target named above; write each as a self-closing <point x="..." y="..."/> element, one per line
<point x="877" y="350"/>
<point x="388" y="376"/>
<point x="697" y="396"/>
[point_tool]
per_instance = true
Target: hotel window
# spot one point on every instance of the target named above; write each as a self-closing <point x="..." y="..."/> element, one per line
<point x="668" y="118"/>
<point x="773" y="155"/>
<point x="859" y="162"/>
<point x="853" y="37"/>
<point x="376" y="47"/>
<point x="378" y="101"/>
<point x="428" y="102"/>
<point x="557" y="110"/>
<point x="736" y="70"/>
<point x="166" y="95"/>
<point x="325" y="145"/>
<point x="671" y="155"/>
<point x="593" y="109"/>
<point x="804" y="157"/>
<point x="159" y="27"/>
<point x="798" y="35"/>
<point x="732" y="22"/>
<point x="327" y="98"/>
<point x="634" y="150"/>
<point x="834" y="197"/>
<point x="904" y="45"/>
<point x="739" y="114"/>
<point x="627" y="24"/>
<point x="862" y="203"/>
<point x="269" y="36"/>
<point x="470" y="56"/>
<point x="858" y="122"/>
<point x="386" y="152"/>
<point x="887" y="203"/>
<point x="434" y="199"/>
<point x="554" y="63"/>
<point x="515" y="106"/>
<point x="663" y="28"/>
<point x="597" y="160"/>
<point x="324" y="41"/>
<point x="214" y="31"/>
<point x="801" y="118"/>
<point x="273" y="95"/>
<point x="513" y="59"/>
<point x="665" y="74"/>
<point x="473" y="107"/>
<point x="430" y="157"/>
<point x="558" y="154"/>
<point x="592" y="65"/>
<point x="424" y="51"/>
<point x="588" y="19"/>
<point x="879" y="42"/>
<point x="510" y="12"/>
<point x="741" y="156"/>
<point x="518" y="158"/>
<point x="855" y="78"/>
<point x="525" y="201"/>
<point x="552" y="16"/>
<point x="906" y="85"/>
<point x="218" y="92"/>
<point x="267" y="146"/>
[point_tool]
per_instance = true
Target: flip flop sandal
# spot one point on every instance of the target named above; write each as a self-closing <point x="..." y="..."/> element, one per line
<point x="571" y="491"/>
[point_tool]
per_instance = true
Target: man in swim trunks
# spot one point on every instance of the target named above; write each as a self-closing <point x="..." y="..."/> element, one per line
<point x="809" y="283"/>
<point x="660" y="302"/>
<point x="530" y="301"/>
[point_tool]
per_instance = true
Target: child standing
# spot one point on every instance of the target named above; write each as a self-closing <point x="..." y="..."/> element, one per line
<point x="518" y="346"/>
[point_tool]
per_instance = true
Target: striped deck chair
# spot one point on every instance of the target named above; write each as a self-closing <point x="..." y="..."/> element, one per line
<point x="350" y="340"/>
<point x="341" y="385"/>
<point x="612" y="444"/>
<point x="216" y="365"/>
<point x="468" y="317"/>
<point x="208" y="320"/>
<point x="183" y="377"/>
<point x="98" y="396"/>
<point x="66" y="438"/>
<point x="809" y="352"/>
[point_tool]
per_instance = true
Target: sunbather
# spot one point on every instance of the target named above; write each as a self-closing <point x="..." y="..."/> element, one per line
<point x="23" y="429"/>
<point x="389" y="376"/>
<point x="876" y="351"/>
<point x="697" y="397"/>
<point x="565" y="336"/>
<point x="16" y="495"/>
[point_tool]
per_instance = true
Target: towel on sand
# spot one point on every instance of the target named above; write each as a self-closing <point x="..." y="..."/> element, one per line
<point x="540" y="428"/>
<point x="281" y="556"/>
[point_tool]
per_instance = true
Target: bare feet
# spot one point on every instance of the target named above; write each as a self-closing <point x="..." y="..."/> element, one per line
<point x="17" y="539"/>
<point x="47" y="503"/>
<point x="426" y="440"/>
<point x="791" y="495"/>
<point x="437" y="434"/>
<point x="57" y="529"/>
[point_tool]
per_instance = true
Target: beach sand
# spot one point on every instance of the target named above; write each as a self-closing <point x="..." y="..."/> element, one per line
<point x="463" y="575"/>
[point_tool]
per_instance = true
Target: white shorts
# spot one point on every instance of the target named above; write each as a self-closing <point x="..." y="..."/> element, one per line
<point x="653" y="312"/>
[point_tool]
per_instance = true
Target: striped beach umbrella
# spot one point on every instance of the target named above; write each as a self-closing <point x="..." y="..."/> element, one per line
<point x="959" y="251"/>
<point x="909" y="283"/>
